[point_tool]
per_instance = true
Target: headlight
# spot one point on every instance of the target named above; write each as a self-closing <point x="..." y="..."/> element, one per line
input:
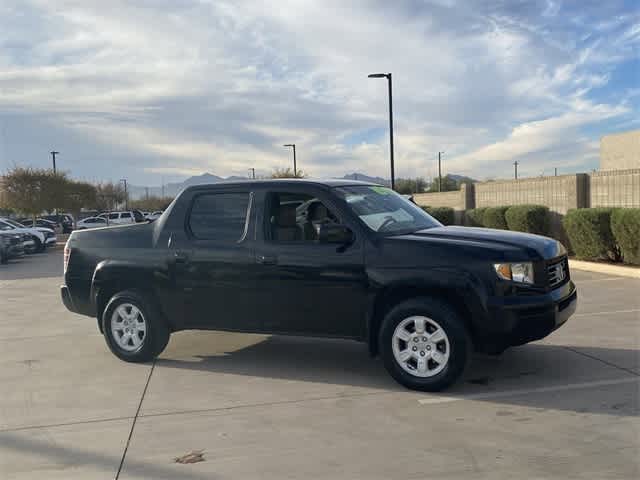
<point x="515" y="272"/>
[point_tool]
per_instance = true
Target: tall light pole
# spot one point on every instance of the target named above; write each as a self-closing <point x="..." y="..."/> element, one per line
<point x="388" y="77"/>
<point x="515" y="169"/>
<point x="126" y="196"/>
<point x="440" y="171"/>
<point x="253" y="172"/>
<point x="295" y="170"/>
<point x="53" y="156"/>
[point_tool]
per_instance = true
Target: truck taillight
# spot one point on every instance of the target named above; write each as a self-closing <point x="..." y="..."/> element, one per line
<point x="67" y="254"/>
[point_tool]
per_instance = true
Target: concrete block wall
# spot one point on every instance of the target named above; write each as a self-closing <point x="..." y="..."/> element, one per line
<point x="620" y="151"/>
<point x="459" y="200"/>
<point x="559" y="193"/>
<point x="454" y="199"/>
<point x="614" y="188"/>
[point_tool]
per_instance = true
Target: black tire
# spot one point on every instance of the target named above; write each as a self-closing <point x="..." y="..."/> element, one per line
<point x="39" y="248"/>
<point x="157" y="333"/>
<point x="4" y="258"/>
<point x="447" y="318"/>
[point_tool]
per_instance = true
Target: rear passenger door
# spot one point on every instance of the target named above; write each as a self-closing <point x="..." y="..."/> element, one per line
<point x="214" y="271"/>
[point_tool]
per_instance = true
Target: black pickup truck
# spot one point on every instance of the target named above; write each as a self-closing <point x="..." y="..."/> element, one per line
<point x="320" y="258"/>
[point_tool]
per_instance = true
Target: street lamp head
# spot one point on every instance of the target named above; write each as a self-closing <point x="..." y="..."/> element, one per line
<point x="378" y="75"/>
<point x="289" y="145"/>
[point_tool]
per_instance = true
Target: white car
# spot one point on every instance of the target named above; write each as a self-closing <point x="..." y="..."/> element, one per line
<point x="118" y="218"/>
<point x="42" y="236"/>
<point x="91" y="222"/>
<point x="155" y="215"/>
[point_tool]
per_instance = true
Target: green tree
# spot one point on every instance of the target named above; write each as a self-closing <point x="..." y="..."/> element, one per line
<point x="80" y="195"/>
<point x="31" y="191"/>
<point x="151" y="203"/>
<point x="287" y="173"/>
<point x="109" y="195"/>
<point x="407" y="186"/>
<point x="449" y="183"/>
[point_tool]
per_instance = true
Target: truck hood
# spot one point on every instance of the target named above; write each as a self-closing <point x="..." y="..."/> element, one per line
<point x="545" y="247"/>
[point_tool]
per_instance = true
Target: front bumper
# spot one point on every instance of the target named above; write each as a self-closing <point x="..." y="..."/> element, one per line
<point x="51" y="240"/>
<point x="517" y="320"/>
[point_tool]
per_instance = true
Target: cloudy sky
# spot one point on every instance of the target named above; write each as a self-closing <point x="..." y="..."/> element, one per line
<point x="164" y="89"/>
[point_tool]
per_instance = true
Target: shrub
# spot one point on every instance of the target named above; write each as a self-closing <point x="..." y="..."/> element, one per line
<point x="528" y="218"/>
<point x="444" y="215"/>
<point x="474" y="217"/>
<point x="625" y="226"/>
<point x="589" y="231"/>
<point x="494" y="218"/>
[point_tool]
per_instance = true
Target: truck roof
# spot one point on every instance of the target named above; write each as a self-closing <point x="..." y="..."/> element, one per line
<point x="330" y="182"/>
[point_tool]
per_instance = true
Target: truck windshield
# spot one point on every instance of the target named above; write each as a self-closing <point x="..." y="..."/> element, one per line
<point x="384" y="211"/>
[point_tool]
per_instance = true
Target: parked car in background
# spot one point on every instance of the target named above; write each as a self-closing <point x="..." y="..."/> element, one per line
<point x="155" y="215"/>
<point x="12" y="245"/>
<point x="40" y="222"/>
<point x="118" y="218"/>
<point x="138" y="216"/>
<point x="42" y="237"/>
<point x="65" y="221"/>
<point x="91" y="222"/>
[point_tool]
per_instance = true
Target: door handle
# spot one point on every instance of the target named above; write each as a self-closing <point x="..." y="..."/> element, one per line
<point x="266" y="259"/>
<point x="180" y="257"/>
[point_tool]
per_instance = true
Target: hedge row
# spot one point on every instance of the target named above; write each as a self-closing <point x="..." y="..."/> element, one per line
<point x="521" y="218"/>
<point x="444" y="215"/>
<point x="593" y="233"/>
<point x="605" y="233"/>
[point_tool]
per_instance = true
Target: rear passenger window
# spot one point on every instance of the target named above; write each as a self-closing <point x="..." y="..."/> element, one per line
<point x="219" y="216"/>
<point x="125" y="215"/>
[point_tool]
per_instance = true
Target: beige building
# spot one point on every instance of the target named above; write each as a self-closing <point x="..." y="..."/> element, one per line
<point x="620" y="151"/>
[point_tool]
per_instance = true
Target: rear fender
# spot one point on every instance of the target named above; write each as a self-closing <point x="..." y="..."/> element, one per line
<point x="113" y="276"/>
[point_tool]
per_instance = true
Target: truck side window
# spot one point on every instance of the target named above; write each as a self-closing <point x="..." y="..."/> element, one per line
<point x="219" y="216"/>
<point x="295" y="217"/>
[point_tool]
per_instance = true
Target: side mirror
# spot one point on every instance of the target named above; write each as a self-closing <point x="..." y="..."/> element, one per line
<point x="334" y="233"/>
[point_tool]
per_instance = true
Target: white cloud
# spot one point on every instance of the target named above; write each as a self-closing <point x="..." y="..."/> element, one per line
<point x="219" y="85"/>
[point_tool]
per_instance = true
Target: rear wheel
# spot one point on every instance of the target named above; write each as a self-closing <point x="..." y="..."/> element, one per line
<point x="133" y="328"/>
<point x="424" y="344"/>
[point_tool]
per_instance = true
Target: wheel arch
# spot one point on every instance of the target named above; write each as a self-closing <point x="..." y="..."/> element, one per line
<point x="112" y="277"/>
<point x="463" y="300"/>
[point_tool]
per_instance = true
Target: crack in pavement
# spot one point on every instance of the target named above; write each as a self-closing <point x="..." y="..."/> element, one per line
<point x="593" y="357"/>
<point x="135" y="418"/>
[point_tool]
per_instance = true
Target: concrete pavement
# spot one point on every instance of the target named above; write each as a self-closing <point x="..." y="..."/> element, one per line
<point x="277" y="407"/>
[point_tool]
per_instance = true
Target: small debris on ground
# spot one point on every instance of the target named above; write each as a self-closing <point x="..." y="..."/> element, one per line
<point x="193" y="456"/>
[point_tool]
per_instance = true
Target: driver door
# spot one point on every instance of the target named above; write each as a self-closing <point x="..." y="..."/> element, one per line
<point x="307" y="287"/>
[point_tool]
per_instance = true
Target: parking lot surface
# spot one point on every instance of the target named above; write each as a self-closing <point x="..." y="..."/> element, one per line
<point x="282" y="407"/>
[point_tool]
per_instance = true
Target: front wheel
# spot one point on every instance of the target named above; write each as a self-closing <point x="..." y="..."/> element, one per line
<point x="424" y="344"/>
<point x="39" y="246"/>
<point x="133" y="328"/>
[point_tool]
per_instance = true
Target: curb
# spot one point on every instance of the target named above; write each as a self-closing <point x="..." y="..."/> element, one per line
<point x="619" y="270"/>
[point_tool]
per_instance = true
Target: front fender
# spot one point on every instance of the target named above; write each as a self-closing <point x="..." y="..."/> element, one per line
<point x="460" y="288"/>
